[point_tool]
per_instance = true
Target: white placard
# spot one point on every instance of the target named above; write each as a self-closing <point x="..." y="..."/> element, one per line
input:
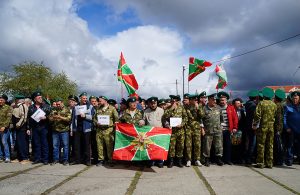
<point x="38" y="114"/>
<point x="103" y="119"/>
<point x="80" y="109"/>
<point x="175" y="121"/>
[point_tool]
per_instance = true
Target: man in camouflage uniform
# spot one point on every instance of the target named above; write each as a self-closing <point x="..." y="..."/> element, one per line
<point x="5" y="119"/>
<point x="212" y="117"/>
<point x="104" y="132"/>
<point x="177" y="138"/>
<point x="202" y="99"/>
<point x="278" y="127"/>
<point x="132" y="115"/>
<point x="193" y="132"/>
<point x="60" y="117"/>
<point x="263" y="123"/>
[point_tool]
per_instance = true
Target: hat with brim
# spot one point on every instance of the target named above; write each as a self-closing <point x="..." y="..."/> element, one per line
<point x="73" y="97"/>
<point x="131" y="99"/>
<point x="123" y="101"/>
<point x="152" y="99"/>
<point x="186" y="96"/>
<point x="280" y="94"/>
<point x="36" y="94"/>
<point x="295" y="93"/>
<point x="202" y="94"/>
<point x="58" y="99"/>
<point x="83" y="94"/>
<point x="193" y="96"/>
<point x="253" y="93"/>
<point x="103" y="97"/>
<point x="19" y="96"/>
<point x="161" y="101"/>
<point x="268" y="92"/>
<point x="175" y="97"/>
<point x="223" y="94"/>
<point x="213" y="95"/>
<point x="260" y="94"/>
<point x="112" y="102"/>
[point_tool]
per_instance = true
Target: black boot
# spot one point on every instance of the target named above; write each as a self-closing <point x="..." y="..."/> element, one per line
<point x="171" y="163"/>
<point x="207" y="163"/>
<point x="219" y="161"/>
<point x="180" y="162"/>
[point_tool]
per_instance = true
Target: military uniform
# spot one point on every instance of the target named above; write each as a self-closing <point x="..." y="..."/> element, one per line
<point x="5" y="119"/>
<point x="178" y="134"/>
<point x="135" y="118"/>
<point x="60" y="132"/>
<point x="193" y="134"/>
<point x="105" y="133"/>
<point x="264" y="117"/>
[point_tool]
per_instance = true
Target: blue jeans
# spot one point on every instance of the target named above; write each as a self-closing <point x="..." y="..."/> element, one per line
<point x="60" y="139"/>
<point x="40" y="140"/>
<point x="292" y="146"/>
<point x="4" y="144"/>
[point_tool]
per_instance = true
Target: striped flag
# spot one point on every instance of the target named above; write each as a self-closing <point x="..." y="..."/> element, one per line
<point x="220" y="72"/>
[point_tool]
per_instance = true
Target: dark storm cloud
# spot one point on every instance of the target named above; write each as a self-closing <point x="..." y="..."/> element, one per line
<point x="237" y="26"/>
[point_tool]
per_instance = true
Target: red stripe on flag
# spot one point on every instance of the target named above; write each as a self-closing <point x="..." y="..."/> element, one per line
<point x="122" y="59"/>
<point x="127" y="129"/>
<point x="126" y="153"/>
<point x="157" y="153"/>
<point x="130" y="80"/>
<point x="158" y="131"/>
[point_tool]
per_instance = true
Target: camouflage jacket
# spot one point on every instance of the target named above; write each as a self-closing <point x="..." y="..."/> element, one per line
<point x="5" y="115"/>
<point x="110" y="111"/>
<point x="179" y="112"/>
<point x="60" y="125"/>
<point x="194" y="118"/>
<point x="278" y="124"/>
<point x="126" y="117"/>
<point x="211" y="118"/>
<point x="265" y="113"/>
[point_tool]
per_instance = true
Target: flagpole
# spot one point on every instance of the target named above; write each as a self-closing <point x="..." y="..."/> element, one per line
<point x="183" y="69"/>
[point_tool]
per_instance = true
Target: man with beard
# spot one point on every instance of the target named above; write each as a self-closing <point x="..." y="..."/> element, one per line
<point x="153" y="117"/>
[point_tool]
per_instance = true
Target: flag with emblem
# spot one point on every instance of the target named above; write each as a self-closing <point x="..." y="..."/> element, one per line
<point x="126" y="76"/>
<point x="196" y="67"/>
<point x="134" y="143"/>
<point x="220" y="72"/>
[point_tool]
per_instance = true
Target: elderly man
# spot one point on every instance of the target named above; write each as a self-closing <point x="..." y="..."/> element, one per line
<point x="153" y="117"/>
<point x="5" y="118"/>
<point x="39" y="127"/>
<point x="292" y="127"/>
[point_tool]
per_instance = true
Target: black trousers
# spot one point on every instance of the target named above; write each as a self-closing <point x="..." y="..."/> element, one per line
<point x="226" y="146"/>
<point x="22" y="144"/>
<point x="82" y="146"/>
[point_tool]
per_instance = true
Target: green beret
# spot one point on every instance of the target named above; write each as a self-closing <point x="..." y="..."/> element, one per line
<point x="92" y="97"/>
<point x="175" y="97"/>
<point x="168" y="100"/>
<point x="213" y="95"/>
<point x="35" y="94"/>
<point x="279" y="93"/>
<point x="131" y="99"/>
<point x="202" y="94"/>
<point x="161" y="101"/>
<point x="295" y="93"/>
<point x="186" y="96"/>
<point x="268" y="92"/>
<point x="4" y="96"/>
<point x="73" y="97"/>
<point x="103" y="97"/>
<point x="253" y="93"/>
<point x="223" y="94"/>
<point x="193" y="96"/>
<point x="83" y="94"/>
<point x="111" y="101"/>
<point x="260" y="94"/>
<point x="152" y="99"/>
<point x="19" y="96"/>
<point x="58" y="99"/>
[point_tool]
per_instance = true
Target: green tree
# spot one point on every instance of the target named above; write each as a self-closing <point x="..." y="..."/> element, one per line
<point x="28" y="77"/>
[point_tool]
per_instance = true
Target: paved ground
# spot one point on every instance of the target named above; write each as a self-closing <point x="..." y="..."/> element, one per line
<point x="80" y="179"/>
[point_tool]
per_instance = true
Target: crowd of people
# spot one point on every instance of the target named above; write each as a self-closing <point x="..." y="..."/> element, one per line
<point x="263" y="131"/>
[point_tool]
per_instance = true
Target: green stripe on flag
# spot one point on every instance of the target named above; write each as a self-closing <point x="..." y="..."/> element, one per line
<point x="123" y="140"/>
<point x="141" y="155"/>
<point x="161" y="140"/>
<point x="143" y="129"/>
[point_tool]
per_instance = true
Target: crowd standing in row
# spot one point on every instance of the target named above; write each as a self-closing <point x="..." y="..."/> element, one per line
<point x="212" y="130"/>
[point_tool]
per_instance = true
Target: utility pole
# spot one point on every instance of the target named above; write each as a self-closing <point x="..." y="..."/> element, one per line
<point x="293" y="76"/>
<point x="176" y="87"/>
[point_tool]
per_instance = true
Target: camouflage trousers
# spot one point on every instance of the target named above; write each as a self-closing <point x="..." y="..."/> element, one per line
<point x="105" y="139"/>
<point x="264" y="140"/>
<point x="177" y="143"/>
<point x="193" y="142"/>
<point x="216" y="140"/>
